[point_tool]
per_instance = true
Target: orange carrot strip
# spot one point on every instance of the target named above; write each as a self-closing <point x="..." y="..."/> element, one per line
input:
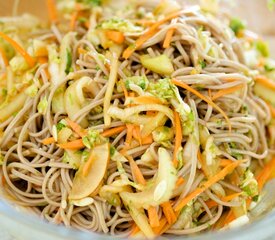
<point x="266" y="82"/>
<point x="180" y="181"/>
<point x="48" y="141"/>
<point x="272" y="109"/>
<point x="153" y="217"/>
<point x="147" y="140"/>
<point x="42" y="60"/>
<point x="227" y="170"/>
<point x="4" y="57"/>
<point x="229" y="218"/>
<point x="74" y="145"/>
<point x="265" y="174"/>
<point x="204" y="98"/>
<point x="52" y="10"/>
<point x="145" y="22"/>
<point x="76" y="128"/>
<point x="129" y="136"/>
<point x="147" y="100"/>
<point x="113" y="131"/>
<point x="168" y="38"/>
<point x="115" y="36"/>
<point x="125" y="91"/>
<point x="81" y="51"/>
<point x="136" y="171"/>
<point x="225" y="162"/>
<point x="73" y="20"/>
<point x="151" y="32"/>
<point x="169" y="212"/>
<point x="162" y="226"/>
<point x="227" y="91"/>
<point x="30" y="60"/>
<point x="178" y="138"/>
<point x="228" y="198"/>
<point x="137" y="134"/>
<point x="135" y="230"/>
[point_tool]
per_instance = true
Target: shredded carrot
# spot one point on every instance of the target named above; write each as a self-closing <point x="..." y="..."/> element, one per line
<point x="168" y="38"/>
<point x="225" y="171"/>
<point x="178" y="138"/>
<point x="135" y="230"/>
<point x="30" y="60"/>
<point x="129" y="136"/>
<point x="225" y="162"/>
<point x="163" y="226"/>
<point x="113" y="131"/>
<point x="52" y="11"/>
<point x="227" y="91"/>
<point x="42" y="60"/>
<point x="48" y="141"/>
<point x="209" y="93"/>
<point x="3" y="180"/>
<point x="169" y="212"/>
<point x="204" y="98"/>
<point x="272" y="109"/>
<point x="81" y="51"/>
<point x="229" y="218"/>
<point x="74" y="20"/>
<point x="147" y="140"/>
<point x="88" y="165"/>
<point x="125" y="91"/>
<point x="145" y="22"/>
<point x="4" y="57"/>
<point x="137" y="174"/>
<point x="265" y="174"/>
<point x="151" y="32"/>
<point x="153" y="216"/>
<point x="228" y="198"/>
<point x="115" y="36"/>
<point x="266" y="82"/>
<point x="76" y="128"/>
<point x="147" y="100"/>
<point x="73" y="145"/>
<point x="180" y="181"/>
<point x="137" y="134"/>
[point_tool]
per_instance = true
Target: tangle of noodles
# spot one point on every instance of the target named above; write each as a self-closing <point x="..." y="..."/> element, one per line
<point x="180" y="86"/>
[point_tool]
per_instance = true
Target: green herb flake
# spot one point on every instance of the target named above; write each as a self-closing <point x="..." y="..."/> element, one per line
<point x="69" y="62"/>
<point x="263" y="48"/>
<point x="237" y="25"/>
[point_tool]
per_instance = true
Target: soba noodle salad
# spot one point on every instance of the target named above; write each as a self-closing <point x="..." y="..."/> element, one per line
<point x="135" y="118"/>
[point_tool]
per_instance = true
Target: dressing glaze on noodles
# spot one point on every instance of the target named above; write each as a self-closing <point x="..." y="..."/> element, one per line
<point x="135" y="118"/>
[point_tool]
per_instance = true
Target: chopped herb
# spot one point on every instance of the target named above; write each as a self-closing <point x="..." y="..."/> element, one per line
<point x="82" y="20"/>
<point x="4" y="92"/>
<point x="112" y="150"/>
<point x="269" y="68"/>
<point x="263" y="48"/>
<point x="93" y="3"/>
<point x="271" y="4"/>
<point x="255" y="198"/>
<point x="69" y="62"/>
<point x="59" y="126"/>
<point x="202" y="64"/>
<point x="237" y="25"/>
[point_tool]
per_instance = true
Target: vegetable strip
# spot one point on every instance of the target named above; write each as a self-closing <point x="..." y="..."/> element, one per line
<point x="73" y="145"/>
<point x="219" y="176"/>
<point x="151" y="32"/>
<point x="209" y="101"/>
<point x="168" y="38"/>
<point x="153" y="217"/>
<point x="178" y="138"/>
<point x="30" y="60"/>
